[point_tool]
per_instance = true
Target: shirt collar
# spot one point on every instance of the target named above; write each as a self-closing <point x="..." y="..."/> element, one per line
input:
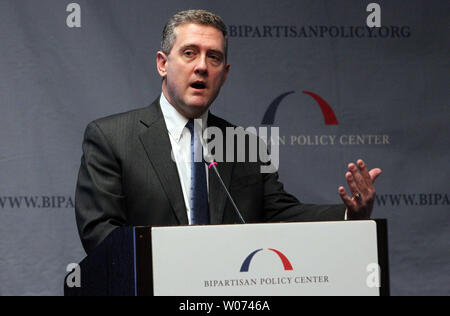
<point x="175" y="121"/>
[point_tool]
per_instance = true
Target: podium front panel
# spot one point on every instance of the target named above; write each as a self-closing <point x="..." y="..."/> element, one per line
<point x="320" y="258"/>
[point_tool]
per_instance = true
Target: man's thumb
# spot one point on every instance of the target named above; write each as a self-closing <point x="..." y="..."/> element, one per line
<point x="374" y="173"/>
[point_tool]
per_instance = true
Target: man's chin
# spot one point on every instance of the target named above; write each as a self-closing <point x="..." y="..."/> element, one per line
<point x="198" y="101"/>
<point x="195" y="110"/>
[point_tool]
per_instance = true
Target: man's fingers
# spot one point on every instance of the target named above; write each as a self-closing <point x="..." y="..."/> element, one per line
<point x="361" y="185"/>
<point x="354" y="189"/>
<point x="352" y="184"/>
<point x="348" y="201"/>
<point x="359" y="180"/>
<point x="364" y="172"/>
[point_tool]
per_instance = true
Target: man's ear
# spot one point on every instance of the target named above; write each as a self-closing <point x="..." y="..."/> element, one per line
<point x="161" y="60"/>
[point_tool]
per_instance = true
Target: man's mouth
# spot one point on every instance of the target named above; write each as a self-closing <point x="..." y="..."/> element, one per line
<point x="198" y="85"/>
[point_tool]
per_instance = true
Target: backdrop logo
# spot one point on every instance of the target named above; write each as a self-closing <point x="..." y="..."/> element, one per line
<point x="366" y="138"/>
<point x="284" y="260"/>
<point x="327" y="111"/>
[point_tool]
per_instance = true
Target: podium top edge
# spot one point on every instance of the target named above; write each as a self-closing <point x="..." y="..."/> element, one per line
<point x="376" y="221"/>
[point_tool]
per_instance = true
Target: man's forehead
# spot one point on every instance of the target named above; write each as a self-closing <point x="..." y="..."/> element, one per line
<point x="192" y="31"/>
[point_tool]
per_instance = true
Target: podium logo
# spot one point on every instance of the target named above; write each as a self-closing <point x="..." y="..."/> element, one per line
<point x="284" y="260"/>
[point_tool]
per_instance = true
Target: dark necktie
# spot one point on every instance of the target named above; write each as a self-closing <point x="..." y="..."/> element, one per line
<point x="199" y="191"/>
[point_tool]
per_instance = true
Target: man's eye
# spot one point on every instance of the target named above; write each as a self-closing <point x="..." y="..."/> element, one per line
<point x="188" y="53"/>
<point x="216" y="58"/>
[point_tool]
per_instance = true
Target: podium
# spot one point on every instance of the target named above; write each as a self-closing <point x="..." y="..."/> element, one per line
<point x="285" y="259"/>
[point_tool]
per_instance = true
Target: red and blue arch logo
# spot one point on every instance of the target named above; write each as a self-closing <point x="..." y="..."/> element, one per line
<point x="284" y="260"/>
<point x="327" y="112"/>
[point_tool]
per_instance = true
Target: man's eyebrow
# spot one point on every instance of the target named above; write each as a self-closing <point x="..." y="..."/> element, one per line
<point x="193" y="46"/>
<point x="188" y="46"/>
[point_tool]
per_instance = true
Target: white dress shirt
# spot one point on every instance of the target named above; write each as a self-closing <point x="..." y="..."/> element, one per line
<point x="180" y="139"/>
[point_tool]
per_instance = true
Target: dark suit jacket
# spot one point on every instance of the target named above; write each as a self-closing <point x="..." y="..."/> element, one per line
<point x="127" y="178"/>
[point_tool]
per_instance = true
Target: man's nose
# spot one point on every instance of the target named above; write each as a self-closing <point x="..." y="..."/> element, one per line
<point x="201" y="68"/>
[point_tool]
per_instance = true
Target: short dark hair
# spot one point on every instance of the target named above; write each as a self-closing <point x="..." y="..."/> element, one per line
<point x="201" y="17"/>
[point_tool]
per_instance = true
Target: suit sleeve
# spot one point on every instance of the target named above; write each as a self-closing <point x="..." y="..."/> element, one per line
<point x="279" y="206"/>
<point x="99" y="199"/>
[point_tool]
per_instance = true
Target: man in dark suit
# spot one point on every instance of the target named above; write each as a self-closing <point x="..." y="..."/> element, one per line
<point x="128" y="177"/>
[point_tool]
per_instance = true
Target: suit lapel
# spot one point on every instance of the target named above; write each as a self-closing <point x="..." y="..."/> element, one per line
<point x="156" y="143"/>
<point x="217" y="195"/>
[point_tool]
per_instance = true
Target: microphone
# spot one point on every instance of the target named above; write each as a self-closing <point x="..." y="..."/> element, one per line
<point x="213" y="163"/>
